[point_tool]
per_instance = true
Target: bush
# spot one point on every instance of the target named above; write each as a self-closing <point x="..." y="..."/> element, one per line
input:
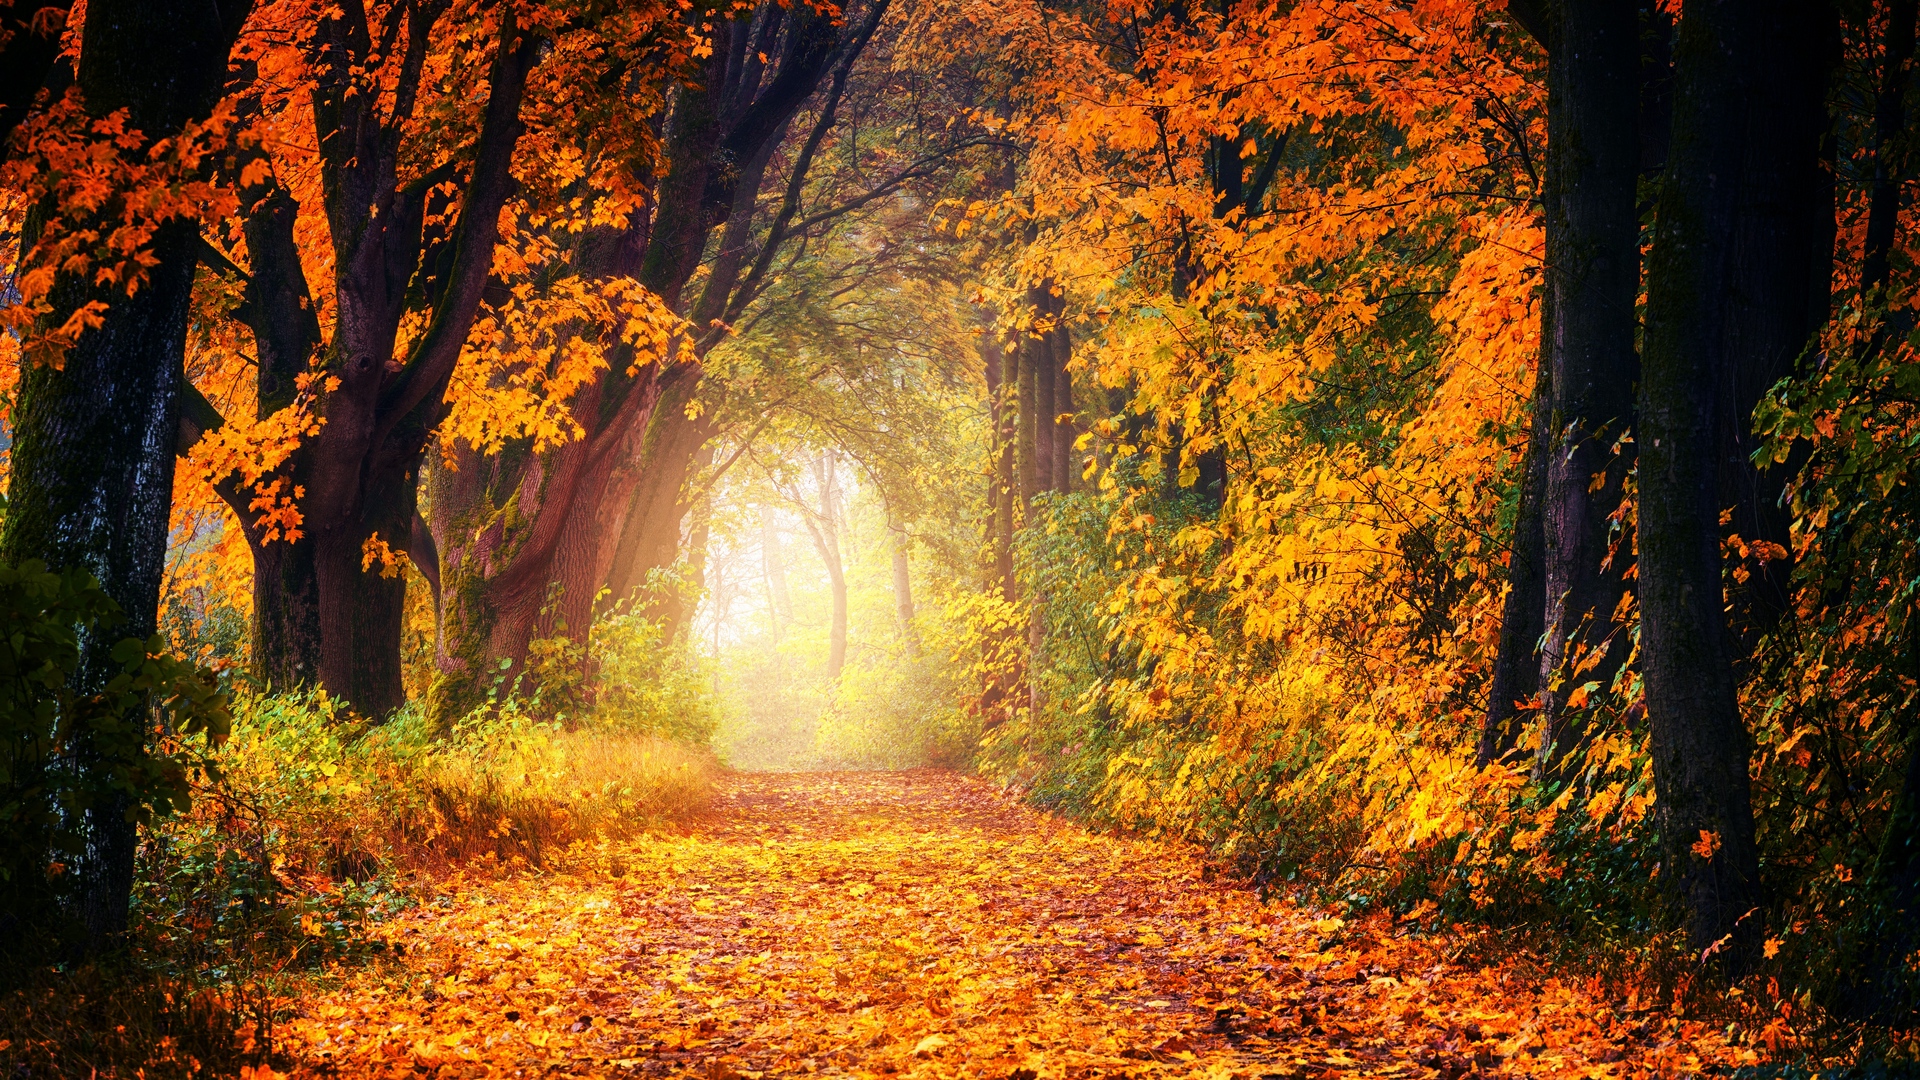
<point x="647" y="685"/>
<point x="78" y="745"/>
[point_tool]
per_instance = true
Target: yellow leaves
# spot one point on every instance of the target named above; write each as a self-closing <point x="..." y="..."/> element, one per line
<point x="799" y="975"/>
<point x="374" y="551"/>
<point x="528" y="359"/>
<point x="930" y="1045"/>
<point x="1770" y="948"/>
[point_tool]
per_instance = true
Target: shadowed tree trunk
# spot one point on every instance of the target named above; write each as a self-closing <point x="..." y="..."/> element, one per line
<point x="325" y="610"/>
<point x="1779" y="282"/>
<point x="1699" y="743"/>
<point x="1026" y="419"/>
<point x="1046" y="378"/>
<point x="93" y="440"/>
<point x="1593" y="276"/>
<point x="1516" y="666"/>
<point x="1002" y="367"/>
<point x="1003" y="376"/>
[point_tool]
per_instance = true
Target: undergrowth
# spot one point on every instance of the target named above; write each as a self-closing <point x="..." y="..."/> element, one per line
<point x="306" y="829"/>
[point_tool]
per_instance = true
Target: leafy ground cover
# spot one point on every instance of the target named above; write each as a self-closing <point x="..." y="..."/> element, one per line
<point x="920" y="924"/>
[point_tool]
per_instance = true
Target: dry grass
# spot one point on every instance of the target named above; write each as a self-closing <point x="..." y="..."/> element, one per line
<point x="312" y="827"/>
<point x="532" y="803"/>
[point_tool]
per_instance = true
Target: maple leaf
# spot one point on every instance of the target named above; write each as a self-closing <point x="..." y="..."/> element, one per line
<point x="1708" y="845"/>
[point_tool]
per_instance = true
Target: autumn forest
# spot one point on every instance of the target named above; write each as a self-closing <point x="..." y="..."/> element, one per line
<point x="1044" y="539"/>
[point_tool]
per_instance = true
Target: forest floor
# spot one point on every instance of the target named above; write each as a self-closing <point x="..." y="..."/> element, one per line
<point x="920" y="925"/>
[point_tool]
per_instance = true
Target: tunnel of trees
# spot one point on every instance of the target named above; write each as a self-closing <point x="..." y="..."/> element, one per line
<point x="1450" y="456"/>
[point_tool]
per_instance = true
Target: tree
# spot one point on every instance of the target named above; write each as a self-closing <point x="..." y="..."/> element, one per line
<point x="1699" y="742"/>
<point x="595" y="514"/>
<point x="94" y="428"/>
<point x="1593" y="278"/>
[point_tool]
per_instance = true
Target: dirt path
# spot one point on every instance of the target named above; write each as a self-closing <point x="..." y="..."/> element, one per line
<point x="917" y="924"/>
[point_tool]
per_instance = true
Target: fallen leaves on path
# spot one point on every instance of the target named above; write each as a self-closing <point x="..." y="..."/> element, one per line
<point x="919" y="925"/>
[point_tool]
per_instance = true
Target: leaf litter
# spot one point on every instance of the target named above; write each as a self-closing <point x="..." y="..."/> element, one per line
<point x="922" y="925"/>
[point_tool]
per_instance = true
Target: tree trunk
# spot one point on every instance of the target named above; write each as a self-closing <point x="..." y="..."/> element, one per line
<point x="1778" y="288"/>
<point x="649" y="536"/>
<point x="93" y="440"/>
<point x="773" y="560"/>
<point x="1699" y="743"/>
<point x="1889" y="136"/>
<point x="1046" y="376"/>
<point x="327" y="606"/>
<point x="824" y="525"/>
<point x="1515" y="682"/>
<point x="522" y="551"/>
<point x="1065" y="460"/>
<point x="902" y="545"/>
<point x="1593" y="274"/>
<point x="1003" y="376"/>
<point x="1026" y="414"/>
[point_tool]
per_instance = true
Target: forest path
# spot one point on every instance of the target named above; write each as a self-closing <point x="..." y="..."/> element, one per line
<point x="920" y="925"/>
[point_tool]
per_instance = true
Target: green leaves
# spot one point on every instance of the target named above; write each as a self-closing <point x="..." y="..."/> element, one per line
<point x="72" y="739"/>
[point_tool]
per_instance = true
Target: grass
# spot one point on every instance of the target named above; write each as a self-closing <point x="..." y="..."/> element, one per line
<point x="308" y="827"/>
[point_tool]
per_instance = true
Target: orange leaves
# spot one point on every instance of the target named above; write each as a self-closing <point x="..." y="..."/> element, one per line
<point x="102" y="192"/>
<point x="991" y="940"/>
<point x="249" y="453"/>
<point x="375" y="552"/>
<point x="1707" y="846"/>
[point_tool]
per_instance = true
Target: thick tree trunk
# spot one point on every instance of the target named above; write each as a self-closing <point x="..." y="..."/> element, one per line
<point x="277" y="305"/>
<point x="1699" y="743"/>
<point x="1778" y="288"/>
<point x="327" y="609"/>
<point x="1026" y="416"/>
<point x="521" y="548"/>
<point x="1593" y="274"/>
<point x="93" y="440"/>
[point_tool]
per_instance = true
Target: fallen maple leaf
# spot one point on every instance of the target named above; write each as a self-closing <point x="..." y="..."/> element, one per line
<point x="929" y="1044"/>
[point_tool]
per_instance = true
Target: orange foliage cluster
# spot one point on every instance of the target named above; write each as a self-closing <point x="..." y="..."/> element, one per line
<point x="102" y="193"/>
